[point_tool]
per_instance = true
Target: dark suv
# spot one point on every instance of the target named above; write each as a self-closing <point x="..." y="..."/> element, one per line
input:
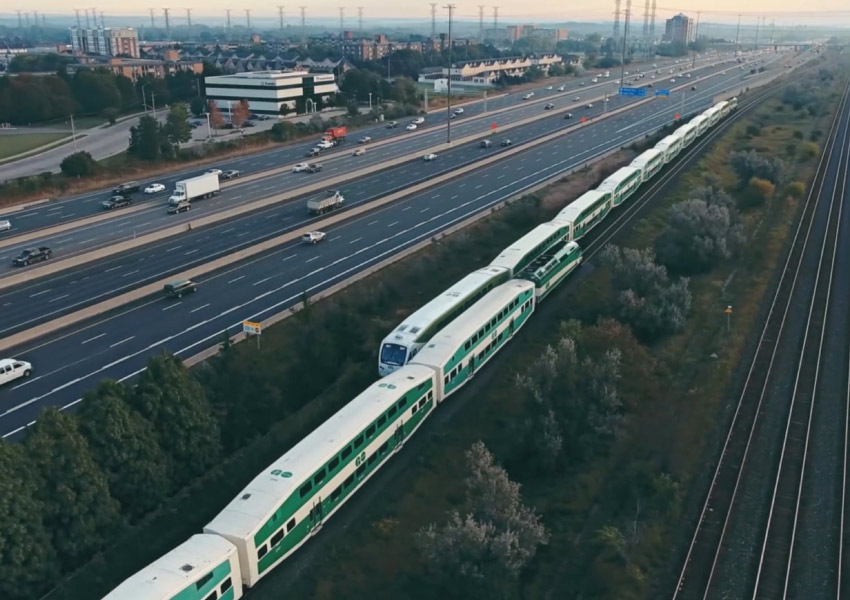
<point x="130" y="187"/>
<point x="116" y="202"/>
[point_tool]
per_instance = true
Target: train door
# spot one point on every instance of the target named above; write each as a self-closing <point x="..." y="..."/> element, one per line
<point x="398" y="436"/>
<point x="317" y="514"/>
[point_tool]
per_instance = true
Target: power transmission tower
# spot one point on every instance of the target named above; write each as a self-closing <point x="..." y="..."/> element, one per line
<point x="646" y="20"/>
<point x="433" y="20"/>
<point x="480" y="22"/>
<point x="188" y="17"/>
<point x="227" y="10"/>
<point x="102" y="24"/>
<point x="625" y="41"/>
<point x="94" y="17"/>
<point x="87" y="17"/>
<point x="303" y="24"/>
<point x="451" y="8"/>
<point x="737" y="34"/>
<point x="35" y="17"/>
<point x="167" y="21"/>
<point x="341" y="20"/>
<point x="280" y="8"/>
<point x="44" y="20"/>
<point x="616" y="35"/>
<point x="756" y="45"/>
<point x="652" y="23"/>
<point x="360" y="18"/>
<point x="76" y="10"/>
<point x="495" y="17"/>
<point x="152" y="21"/>
<point x="21" y="23"/>
<point x="248" y="17"/>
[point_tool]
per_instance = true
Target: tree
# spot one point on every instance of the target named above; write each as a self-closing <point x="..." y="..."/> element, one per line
<point x="144" y="139"/>
<point x="27" y="560"/>
<point x="176" y="129"/>
<point x="79" y="512"/>
<point x="644" y="296"/>
<point x="284" y="109"/>
<point x="198" y="106"/>
<point x="697" y="236"/>
<point x="241" y="112"/>
<point x="111" y="114"/>
<point x="125" y="447"/>
<point x="483" y="552"/>
<point x="748" y="163"/>
<point x="78" y="164"/>
<point x="216" y="118"/>
<point x="174" y="403"/>
<point x="96" y="90"/>
<point x="758" y="192"/>
<point x="284" y="131"/>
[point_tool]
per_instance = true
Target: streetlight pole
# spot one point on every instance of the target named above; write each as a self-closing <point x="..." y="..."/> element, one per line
<point x="73" y="132"/>
<point x="370" y="101"/>
<point x="209" y="132"/>
<point x="451" y="8"/>
<point x="144" y="100"/>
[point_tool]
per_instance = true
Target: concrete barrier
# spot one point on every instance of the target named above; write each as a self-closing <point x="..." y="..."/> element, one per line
<point x="146" y="290"/>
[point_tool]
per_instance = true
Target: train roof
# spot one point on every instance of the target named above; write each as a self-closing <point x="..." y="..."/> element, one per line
<point x="514" y="254"/>
<point x="419" y="321"/>
<point x="446" y="342"/>
<point x="646" y="157"/>
<point x="168" y="575"/>
<point x="618" y="177"/>
<point x="667" y="141"/>
<point x="571" y="212"/>
<point x="261" y="497"/>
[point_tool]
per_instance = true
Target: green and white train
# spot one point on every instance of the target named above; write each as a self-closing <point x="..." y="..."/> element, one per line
<point x="437" y="350"/>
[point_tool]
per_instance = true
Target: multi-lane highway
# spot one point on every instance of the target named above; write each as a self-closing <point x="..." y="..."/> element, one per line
<point x="48" y="297"/>
<point x="117" y="345"/>
<point x="428" y="135"/>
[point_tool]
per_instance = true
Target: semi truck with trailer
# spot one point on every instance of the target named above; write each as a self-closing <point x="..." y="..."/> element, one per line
<point x="195" y="188"/>
<point x="330" y="200"/>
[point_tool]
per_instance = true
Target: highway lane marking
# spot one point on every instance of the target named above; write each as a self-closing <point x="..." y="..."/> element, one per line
<point x="499" y="177"/>
<point x="113" y="268"/>
<point x="130" y="273"/>
<point x="288" y="257"/>
<point x="124" y="223"/>
<point x="227" y="230"/>
<point x="373" y="222"/>
<point x="7" y="304"/>
<point x="88" y="241"/>
<point x="97" y="337"/>
<point x="170" y="306"/>
<point x="121" y="342"/>
<point x="192" y="251"/>
<point x="453" y="197"/>
<point x="393" y="224"/>
<point x="174" y="248"/>
<point x="262" y="280"/>
<point x="24" y="216"/>
<point x="426" y="209"/>
<point x="199" y="308"/>
<point x="59" y="298"/>
<point x="334" y="238"/>
<point x="406" y="208"/>
<point x="479" y="186"/>
<point x="244" y="233"/>
<point x="237" y="197"/>
<point x="237" y="279"/>
<point x="311" y="259"/>
<point x="40" y="293"/>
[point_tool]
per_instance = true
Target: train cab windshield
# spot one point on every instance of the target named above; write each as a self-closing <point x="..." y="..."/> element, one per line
<point x="393" y="354"/>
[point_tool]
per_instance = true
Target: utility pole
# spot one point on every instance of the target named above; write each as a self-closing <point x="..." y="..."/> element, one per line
<point x="360" y="18"/>
<point x="77" y="11"/>
<point x="167" y="22"/>
<point x="625" y="38"/>
<point x="696" y="36"/>
<point x="495" y="17"/>
<point x="227" y="10"/>
<point x="73" y="132"/>
<point x="737" y="34"/>
<point x="616" y="35"/>
<point x="303" y="25"/>
<point x="35" y="17"/>
<point x="341" y="20"/>
<point x="451" y="8"/>
<point x="756" y="45"/>
<point x="188" y="17"/>
<point x="248" y="18"/>
<point x="152" y="21"/>
<point x="21" y="23"/>
<point x="27" y="18"/>
<point x="652" y="24"/>
<point x="280" y="8"/>
<point x="433" y="20"/>
<point x="481" y="23"/>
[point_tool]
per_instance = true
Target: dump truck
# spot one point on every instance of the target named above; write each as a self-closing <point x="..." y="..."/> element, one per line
<point x="202" y="186"/>
<point x="330" y="200"/>
<point x="336" y="135"/>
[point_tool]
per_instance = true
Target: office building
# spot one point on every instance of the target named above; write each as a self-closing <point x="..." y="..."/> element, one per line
<point x="267" y="91"/>
<point x="105" y="41"/>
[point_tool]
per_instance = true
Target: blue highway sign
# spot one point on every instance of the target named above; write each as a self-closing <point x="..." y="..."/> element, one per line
<point x="662" y="92"/>
<point x="632" y="91"/>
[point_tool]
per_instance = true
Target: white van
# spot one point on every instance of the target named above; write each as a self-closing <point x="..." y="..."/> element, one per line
<point x="11" y="369"/>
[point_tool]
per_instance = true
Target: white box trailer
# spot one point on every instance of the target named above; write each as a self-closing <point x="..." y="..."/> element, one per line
<point x="330" y="200"/>
<point x="195" y="188"/>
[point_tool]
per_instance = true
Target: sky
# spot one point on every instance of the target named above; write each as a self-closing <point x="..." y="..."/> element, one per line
<point x="821" y="11"/>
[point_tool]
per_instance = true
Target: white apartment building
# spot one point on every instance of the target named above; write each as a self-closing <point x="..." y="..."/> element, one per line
<point x="105" y="41"/>
<point x="267" y="91"/>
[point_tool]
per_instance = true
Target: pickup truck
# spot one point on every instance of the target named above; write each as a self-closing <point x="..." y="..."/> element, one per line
<point x="330" y="200"/>
<point x="130" y="187"/>
<point x="116" y="202"/>
<point x="31" y="255"/>
<point x="313" y="168"/>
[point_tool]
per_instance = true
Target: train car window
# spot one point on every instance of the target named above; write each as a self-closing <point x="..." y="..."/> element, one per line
<point x="348" y="480"/>
<point x="333" y="464"/>
<point x="370" y="431"/>
<point x="319" y="477"/>
<point x="392" y="411"/>
<point x="262" y="551"/>
<point x="203" y="581"/>
<point x="382" y="420"/>
<point x="305" y="489"/>
<point x="346" y="452"/>
<point x="290" y="525"/>
<point x="226" y="585"/>
<point x="358" y="442"/>
<point x="372" y="458"/>
<point x="212" y="596"/>
<point x="276" y="538"/>
<point x="336" y="494"/>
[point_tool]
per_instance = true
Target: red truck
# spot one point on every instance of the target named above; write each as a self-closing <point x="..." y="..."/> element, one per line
<point x="336" y="134"/>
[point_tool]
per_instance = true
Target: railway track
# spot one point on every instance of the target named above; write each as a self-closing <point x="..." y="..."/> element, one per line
<point x="771" y="578"/>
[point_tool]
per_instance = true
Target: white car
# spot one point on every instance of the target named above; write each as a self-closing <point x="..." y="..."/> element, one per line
<point x="360" y="152"/>
<point x="561" y="88"/>
<point x="688" y="75"/>
<point x="458" y="111"/>
<point x="299" y="167"/>
<point x="324" y="145"/>
<point x="589" y="105"/>
<point x="411" y="127"/>
<point x="214" y="171"/>
<point x="155" y="188"/>
<point x="429" y="157"/>
<point x="5" y="225"/>
<point x="549" y="88"/>
<point x="528" y="96"/>
<point x="11" y="369"/>
<point x="419" y="120"/>
<point x="672" y="81"/>
<point x="313" y="237"/>
<point x="594" y="80"/>
<point x="364" y="140"/>
<point x="577" y="98"/>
